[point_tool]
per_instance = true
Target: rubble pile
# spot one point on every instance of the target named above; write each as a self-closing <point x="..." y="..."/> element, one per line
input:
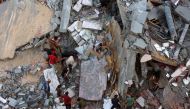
<point x="157" y="30"/>
<point x="117" y="53"/>
<point x="14" y="93"/>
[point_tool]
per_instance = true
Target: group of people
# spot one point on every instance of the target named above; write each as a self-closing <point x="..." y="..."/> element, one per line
<point x="62" y="97"/>
<point x="54" y="54"/>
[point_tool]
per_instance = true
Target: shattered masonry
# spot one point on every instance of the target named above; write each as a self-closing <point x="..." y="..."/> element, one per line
<point x="94" y="50"/>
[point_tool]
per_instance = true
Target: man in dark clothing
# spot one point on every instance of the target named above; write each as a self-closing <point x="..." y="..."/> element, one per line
<point x="59" y="91"/>
<point x="67" y="100"/>
<point x="46" y="87"/>
<point x="115" y="102"/>
<point x="68" y="53"/>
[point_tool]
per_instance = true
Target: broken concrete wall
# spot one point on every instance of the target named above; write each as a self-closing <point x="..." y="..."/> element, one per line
<point x="20" y="22"/>
<point x="124" y="59"/>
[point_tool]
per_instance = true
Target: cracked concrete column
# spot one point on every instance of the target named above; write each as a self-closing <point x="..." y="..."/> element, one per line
<point x="169" y="20"/>
<point x="65" y="15"/>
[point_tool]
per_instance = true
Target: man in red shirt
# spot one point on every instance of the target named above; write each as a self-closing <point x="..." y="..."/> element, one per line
<point x="67" y="100"/>
<point x="53" y="59"/>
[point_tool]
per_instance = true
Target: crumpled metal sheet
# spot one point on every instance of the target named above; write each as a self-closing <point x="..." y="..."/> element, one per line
<point x="93" y="80"/>
<point x="20" y="21"/>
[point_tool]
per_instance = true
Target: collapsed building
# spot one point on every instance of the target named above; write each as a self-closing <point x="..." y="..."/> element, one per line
<point x="138" y="50"/>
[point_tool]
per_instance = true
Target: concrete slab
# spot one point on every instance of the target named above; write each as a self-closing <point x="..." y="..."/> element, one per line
<point x="20" y="22"/>
<point x="154" y="13"/>
<point x="77" y="7"/>
<point x="92" y="24"/>
<point x="140" y="43"/>
<point x="140" y="16"/>
<point x="65" y="15"/>
<point x="93" y="79"/>
<point x="12" y="102"/>
<point x="87" y="2"/>
<point x="184" y="12"/>
<point x="136" y="27"/>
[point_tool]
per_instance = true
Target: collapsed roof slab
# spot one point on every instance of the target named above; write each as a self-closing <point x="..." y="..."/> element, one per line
<point x="21" y="21"/>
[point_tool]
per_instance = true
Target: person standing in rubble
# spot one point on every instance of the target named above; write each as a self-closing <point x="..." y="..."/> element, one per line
<point x="54" y="44"/>
<point x="46" y="87"/>
<point x="59" y="91"/>
<point x="115" y="102"/>
<point x="67" y="100"/>
<point x="52" y="58"/>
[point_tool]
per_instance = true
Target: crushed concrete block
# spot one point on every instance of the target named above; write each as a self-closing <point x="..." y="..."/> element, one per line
<point x="96" y="3"/>
<point x="77" y="25"/>
<point x="158" y="47"/>
<point x="136" y="27"/>
<point x="153" y="14"/>
<point x="178" y="72"/>
<point x="57" y="33"/>
<point x="167" y="44"/>
<point x="22" y="106"/>
<point x="17" y="90"/>
<point x="141" y="101"/>
<point x="85" y="34"/>
<point x="12" y="102"/>
<point x="1" y="86"/>
<point x="184" y="12"/>
<point x="71" y="92"/>
<point x="3" y="100"/>
<point x="21" y="94"/>
<point x="87" y="2"/>
<point x="77" y="38"/>
<point x="81" y="42"/>
<point x="96" y="11"/>
<point x="81" y="49"/>
<point x="92" y="24"/>
<point x="141" y="5"/>
<point x="74" y="33"/>
<point x="129" y="82"/>
<point x="71" y="28"/>
<point x="57" y="13"/>
<point x="55" y="20"/>
<point x="54" y="26"/>
<point x="46" y="103"/>
<point x="139" y="16"/>
<point x="175" y="84"/>
<point x="186" y="80"/>
<point x="18" y="70"/>
<point x="65" y="15"/>
<point x="146" y="58"/>
<point x="77" y="7"/>
<point x="6" y="107"/>
<point x="32" y="88"/>
<point x="140" y="43"/>
<point x="188" y="63"/>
